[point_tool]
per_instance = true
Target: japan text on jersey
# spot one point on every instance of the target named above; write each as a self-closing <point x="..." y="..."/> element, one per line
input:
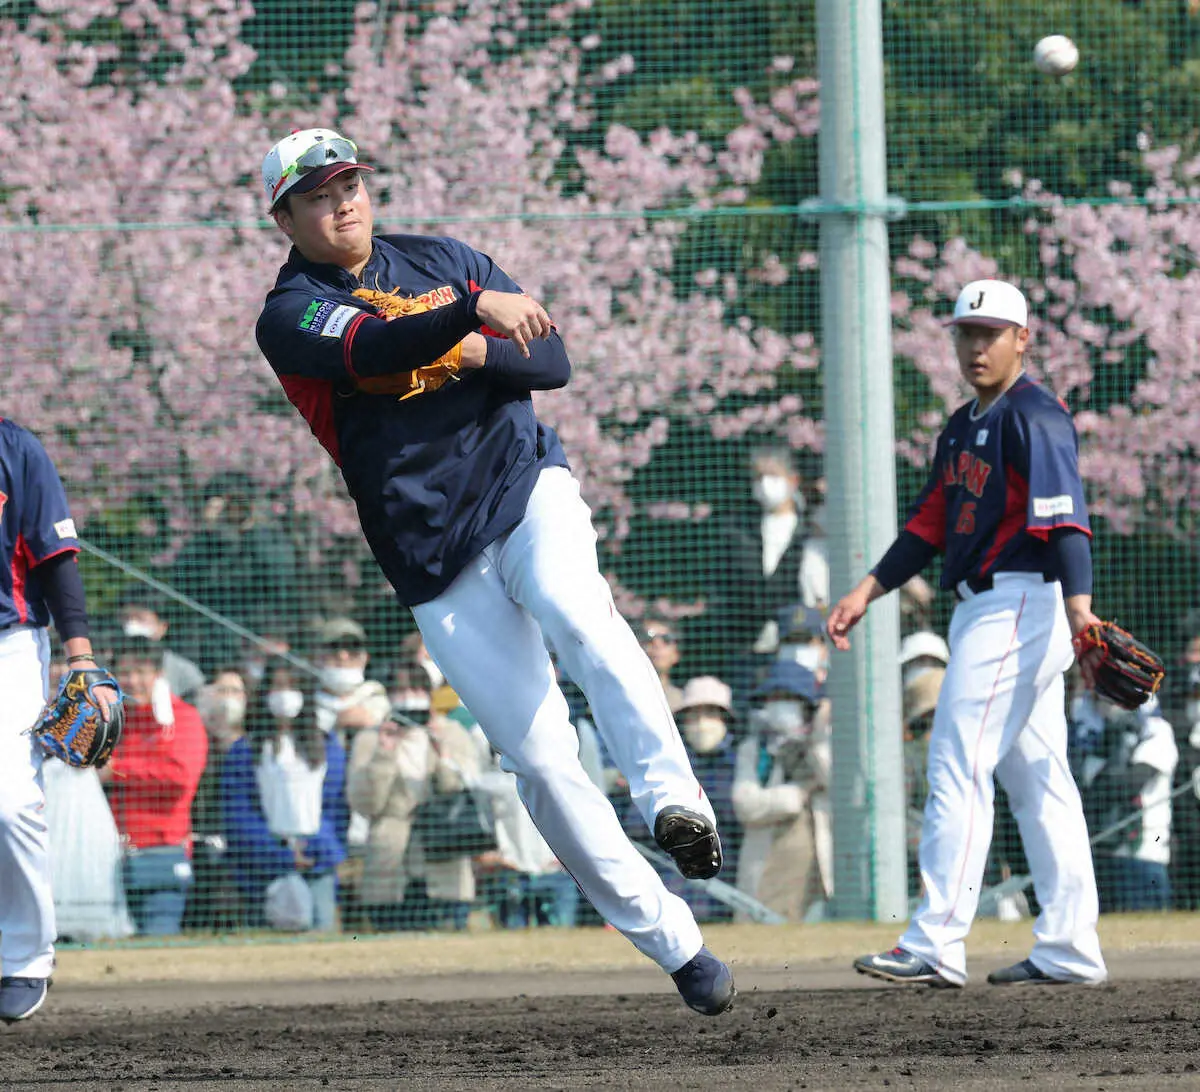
<point x="1001" y="481"/>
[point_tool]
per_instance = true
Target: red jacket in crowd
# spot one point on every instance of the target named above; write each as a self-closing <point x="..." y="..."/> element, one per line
<point x="155" y="771"/>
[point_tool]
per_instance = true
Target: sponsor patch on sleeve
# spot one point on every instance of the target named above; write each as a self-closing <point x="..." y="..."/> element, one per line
<point x="335" y="325"/>
<point x="1062" y="505"/>
<point x="316" y="314"/>
<point x="65" y="528"/>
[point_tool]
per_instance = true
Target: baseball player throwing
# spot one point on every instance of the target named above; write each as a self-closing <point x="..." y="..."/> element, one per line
<point x="412" y="358"/>
<point x="1004" y="502"/>
<point x="39" y="580"/>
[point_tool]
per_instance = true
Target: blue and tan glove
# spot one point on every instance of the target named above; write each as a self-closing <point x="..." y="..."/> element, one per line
<point x="75" y="727"/>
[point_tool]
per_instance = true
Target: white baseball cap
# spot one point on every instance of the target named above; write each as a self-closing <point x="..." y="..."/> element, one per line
<point x="306" y="159"/>
<point x="991" y="303"/>
<point x="924" y="643"/>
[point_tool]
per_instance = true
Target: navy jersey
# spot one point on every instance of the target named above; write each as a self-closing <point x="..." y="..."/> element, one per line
<point x="437" y="470"/>
<point x="35" y="524"/>
<point x="1001" y="481"/>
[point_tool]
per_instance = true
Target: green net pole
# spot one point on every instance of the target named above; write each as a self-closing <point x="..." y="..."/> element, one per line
<point x="868" y="765"/>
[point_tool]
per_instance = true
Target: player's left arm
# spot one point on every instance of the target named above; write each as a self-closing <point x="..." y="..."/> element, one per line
<point x="1046" y="449"/>
<point x="48" y="536"/>
<point x="546" y="365"/>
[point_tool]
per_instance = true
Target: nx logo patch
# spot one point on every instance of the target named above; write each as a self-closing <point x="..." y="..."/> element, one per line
<point x="315" y="315"/>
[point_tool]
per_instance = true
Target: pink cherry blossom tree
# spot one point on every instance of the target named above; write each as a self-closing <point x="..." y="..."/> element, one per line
<point x="138" y="363"/>
<point x="1115" y="335"/>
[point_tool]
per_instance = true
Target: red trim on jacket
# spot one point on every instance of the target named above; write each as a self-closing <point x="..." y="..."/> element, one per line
<point x="314" y="399"/>
<point x="929" y="521"/>
<point x="348" y="343"/>
<point x="1016" y="503"/>
<point x="1044" y="532"/>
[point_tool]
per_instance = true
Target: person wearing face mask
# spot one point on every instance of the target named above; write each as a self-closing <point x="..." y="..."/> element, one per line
<point x="780" y="795"/>
<point x="141" y="614"/>
<point x="213" y="903"/>
<point x="346" y="700"/>
<point x="393" y="768"/>
<point x="151" y="782"/>
<point x="802" y="639"/>
<point x="707" y="722"/>
<point x="771" y="557"/>
<point x="283" y="803"/>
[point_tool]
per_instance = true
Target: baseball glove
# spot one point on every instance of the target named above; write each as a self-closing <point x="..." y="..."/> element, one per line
<point x="1128" y="672"/>
<point x="73" y="726"/>
<point x="388" y="306"/>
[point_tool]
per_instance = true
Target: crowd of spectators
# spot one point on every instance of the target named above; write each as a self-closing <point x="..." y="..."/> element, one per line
<point x="281" y="782"/>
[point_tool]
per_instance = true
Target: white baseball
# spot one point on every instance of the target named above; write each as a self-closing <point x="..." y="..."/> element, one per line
<point x="1055" y="55"/>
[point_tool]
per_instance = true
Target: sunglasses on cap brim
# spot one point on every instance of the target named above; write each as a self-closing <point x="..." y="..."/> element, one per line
<point x="321" y="154"/>
<point x="324" y="152"/>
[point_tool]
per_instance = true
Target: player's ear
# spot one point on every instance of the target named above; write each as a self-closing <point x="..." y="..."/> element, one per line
<point x="1022" y="339"/>
<point x="283" y="218"/>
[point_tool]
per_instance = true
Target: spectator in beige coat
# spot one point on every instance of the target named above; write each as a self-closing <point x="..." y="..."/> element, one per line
<point x="780" y="796"/>
<point x="393" y="769"/>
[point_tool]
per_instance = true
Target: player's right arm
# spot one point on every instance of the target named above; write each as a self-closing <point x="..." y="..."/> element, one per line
<point x="923" y="535"/>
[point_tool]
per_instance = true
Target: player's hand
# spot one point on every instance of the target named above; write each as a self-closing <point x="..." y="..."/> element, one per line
<point x="845" y="615"/>
<point x="106" y="696"/>
<point x="474" y="352"/>
<point x="514" y="315"/>
<point x="1079" y="618"/>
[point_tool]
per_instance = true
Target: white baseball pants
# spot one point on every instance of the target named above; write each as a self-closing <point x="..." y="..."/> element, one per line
<point x="27" y="924"/>
<point x="1001" y="712"/>
<point x="488" y="632"/>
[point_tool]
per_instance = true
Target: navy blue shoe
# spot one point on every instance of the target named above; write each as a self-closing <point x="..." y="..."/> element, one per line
<point x="20" y="998"/>
<point x="705" y="983"/>
<point x="901" y="966"/>
<point x="690" y="839"/>
<point x="1023" y="974"/>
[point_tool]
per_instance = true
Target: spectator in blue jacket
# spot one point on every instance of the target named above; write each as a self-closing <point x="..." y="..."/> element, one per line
<point x="283" y="799"/>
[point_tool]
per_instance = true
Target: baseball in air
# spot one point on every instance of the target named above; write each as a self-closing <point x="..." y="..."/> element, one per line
<point x="1055" y="55"/>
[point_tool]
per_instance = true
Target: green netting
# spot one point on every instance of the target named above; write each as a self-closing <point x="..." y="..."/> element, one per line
<point x="650" y="172"/>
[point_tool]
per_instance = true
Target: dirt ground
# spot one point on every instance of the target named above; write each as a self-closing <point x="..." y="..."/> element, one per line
<point x="580" y="1009"/>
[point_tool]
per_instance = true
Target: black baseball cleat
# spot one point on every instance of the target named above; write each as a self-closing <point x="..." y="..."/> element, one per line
<point x="705" y="983"/>
<point x="901" y="966"/>
<point x="1024" y="974"/>
<point x="690" y="839"/>
<point x="20" y="998"/>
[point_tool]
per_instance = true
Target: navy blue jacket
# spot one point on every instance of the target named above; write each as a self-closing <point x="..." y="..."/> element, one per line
<point x="437" y="474"/>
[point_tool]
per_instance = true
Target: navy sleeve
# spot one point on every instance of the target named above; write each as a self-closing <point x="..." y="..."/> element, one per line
<point x="1046" y="454"/>
<point x="306" y="335"/>
<point x="547" y="367"/>
<point x="1073" y="560"/>
<point x="62" y="588"/>
<point x="927" y="517"/>
<point x="46" y="527"/>
<point x="906" y="557"/>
